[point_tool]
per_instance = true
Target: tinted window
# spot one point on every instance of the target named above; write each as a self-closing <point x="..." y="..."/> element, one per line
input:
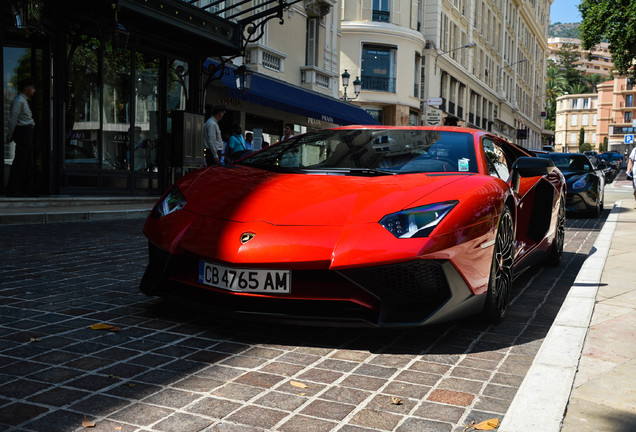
<point x="498" y="164"/>
<point x="395" y="151"/>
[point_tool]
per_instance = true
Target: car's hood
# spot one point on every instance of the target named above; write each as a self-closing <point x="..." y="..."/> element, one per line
<point x="245" y="194"/>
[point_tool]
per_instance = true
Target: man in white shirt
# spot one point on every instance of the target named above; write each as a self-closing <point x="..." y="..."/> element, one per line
<point x="212" y="139"/>
<point x="20" y="130"/>
<point x="631" y="169"/>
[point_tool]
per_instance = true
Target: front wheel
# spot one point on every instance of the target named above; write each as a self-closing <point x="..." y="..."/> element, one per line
<point x="501" y="271"/>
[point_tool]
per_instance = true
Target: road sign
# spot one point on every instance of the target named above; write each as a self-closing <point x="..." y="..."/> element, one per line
<point x="436" y="101"/>
<point x="629" y="139"/>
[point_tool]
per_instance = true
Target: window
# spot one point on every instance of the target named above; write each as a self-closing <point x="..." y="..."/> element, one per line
<point x="629" y="101"/>
<point x="628" y="117"/>
<point x="378" y="68"/>
<point x="381" y="11"/>
<point x="498" y="165"/>
<point x="584" y="120"/>
<point x="574" y="120"/>
<point x="311" y="54"/>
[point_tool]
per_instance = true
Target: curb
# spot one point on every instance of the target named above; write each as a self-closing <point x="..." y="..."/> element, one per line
<point x="71" y="216"/>
<point x="542" y="398"/>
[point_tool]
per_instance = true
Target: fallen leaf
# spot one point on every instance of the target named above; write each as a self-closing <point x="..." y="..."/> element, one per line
<point x="87" y="424"/>
<point x="105" y="327"/>
<point x="488" y="424"/>
<point x="113" y="376"/>
<point x="35" y="339"/>
<point x="118" y="428"/>
<point x="101" y="327"/>
<point x="396" y="400"/>
<point x="298" y="384"/>
<point x="131" y="385"/>
<point x="469" y="427"/>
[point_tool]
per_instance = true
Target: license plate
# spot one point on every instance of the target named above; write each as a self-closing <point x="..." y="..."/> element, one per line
<point x="245" y="280"/>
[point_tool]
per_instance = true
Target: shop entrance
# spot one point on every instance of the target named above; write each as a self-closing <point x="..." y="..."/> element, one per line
<point x="19" y="63"/>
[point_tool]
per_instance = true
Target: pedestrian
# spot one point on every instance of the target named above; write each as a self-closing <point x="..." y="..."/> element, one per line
<point x="450" y="120"/>
<point x="20" y="130"/>
<point x="236" y="146"/>
<point x="212" y="138"/>
<point x="631" y="169"/>
<point x="249" y="137"/>
<point x="288" y="131"/>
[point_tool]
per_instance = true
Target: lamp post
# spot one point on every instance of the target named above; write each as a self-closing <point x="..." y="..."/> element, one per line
<point x="243" y="78"/>
<point x="357" y="86"/>
<point x="468" y="45"/>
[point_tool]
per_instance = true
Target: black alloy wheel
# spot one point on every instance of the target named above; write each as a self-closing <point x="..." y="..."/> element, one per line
<point x="556" y="250"/>
<point x="501" y="271"/>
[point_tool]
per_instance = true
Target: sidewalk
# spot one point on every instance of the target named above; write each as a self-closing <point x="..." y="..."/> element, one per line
<point x="582" y="378"/>
<point x="73" y="208"/>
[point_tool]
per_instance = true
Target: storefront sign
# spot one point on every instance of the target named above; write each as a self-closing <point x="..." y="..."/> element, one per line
<point x="433" y="117"/>
<point x="230" y="102"/>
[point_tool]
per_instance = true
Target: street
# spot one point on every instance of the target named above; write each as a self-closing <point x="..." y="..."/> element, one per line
<point x="155" y="366"/>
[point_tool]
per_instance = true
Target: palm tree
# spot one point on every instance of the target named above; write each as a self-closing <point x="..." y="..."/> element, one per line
<point x="592" y="81"/>
<point x="555" y="85"/>
<point x="578" y="88"/>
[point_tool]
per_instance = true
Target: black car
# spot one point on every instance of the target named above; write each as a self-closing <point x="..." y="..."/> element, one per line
<point x="585" y="183"/>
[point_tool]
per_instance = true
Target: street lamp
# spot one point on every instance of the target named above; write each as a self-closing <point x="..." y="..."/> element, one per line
<point x="468" y="45"/>
<point x="357" y="86"/>
<point x="243" y="78"/>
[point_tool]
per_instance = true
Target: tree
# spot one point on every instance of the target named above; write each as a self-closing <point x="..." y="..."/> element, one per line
<point x="578" y="88"/>
<point x="555" y="86"/>
<point x="568" y="57"/>
<point x="581" y="137"/>
<point x="585" y="147"/>
<point x="592" y="81"/>
<point x="614" y="21"/>
<point x="603" y="146"/>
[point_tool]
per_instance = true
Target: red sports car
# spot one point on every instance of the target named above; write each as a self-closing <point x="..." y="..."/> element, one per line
<point x="359" y="225"/>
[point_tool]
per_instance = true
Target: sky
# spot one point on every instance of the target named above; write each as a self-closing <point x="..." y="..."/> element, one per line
<point x="565" y="11"/>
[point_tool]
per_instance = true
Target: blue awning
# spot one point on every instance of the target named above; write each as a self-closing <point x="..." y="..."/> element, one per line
<point x="276" y="94"/>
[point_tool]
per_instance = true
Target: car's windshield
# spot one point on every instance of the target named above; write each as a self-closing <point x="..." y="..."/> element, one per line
<point x="571" y="162"/>
<point x="370" y="152"/>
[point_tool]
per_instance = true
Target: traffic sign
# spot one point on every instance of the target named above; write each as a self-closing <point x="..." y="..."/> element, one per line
<point x="435" y="101"/>
<point x="629" y="139"/>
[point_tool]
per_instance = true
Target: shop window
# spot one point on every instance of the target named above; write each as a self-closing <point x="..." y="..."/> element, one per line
<point x="146" y="113"/>
<point x="81" y="147"/>
<point x="117" y="88"/>
<point x="378" y="68"/>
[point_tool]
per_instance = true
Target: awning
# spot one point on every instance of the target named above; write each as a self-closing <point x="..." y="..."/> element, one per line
<point x="279" y="95"/>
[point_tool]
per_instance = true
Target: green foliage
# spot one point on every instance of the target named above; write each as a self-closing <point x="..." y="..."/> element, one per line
<point x="614" y="21"/>
<point x="581" y="137"/>
<point x="603" y="146"/>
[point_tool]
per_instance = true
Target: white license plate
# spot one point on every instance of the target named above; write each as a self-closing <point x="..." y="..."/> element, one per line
<point x="246" y="280"/>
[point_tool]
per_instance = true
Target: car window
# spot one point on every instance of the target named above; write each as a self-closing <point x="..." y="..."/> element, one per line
<point x="498" y="163"/>
<point x="370" y="152"/>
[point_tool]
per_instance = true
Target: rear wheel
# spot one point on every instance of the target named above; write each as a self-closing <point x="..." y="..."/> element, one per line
<point x="556" y="250"/>
<point x="501" y="271"/>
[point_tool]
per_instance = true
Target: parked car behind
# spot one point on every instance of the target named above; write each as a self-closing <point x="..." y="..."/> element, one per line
<point x="585" y="183"/>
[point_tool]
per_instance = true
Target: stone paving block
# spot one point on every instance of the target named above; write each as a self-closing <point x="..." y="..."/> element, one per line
<point x="363" y="382"/>
<point x="141" y="414"/>
<point x="441" y="412"/>
<point x="319" y="376"/>
<point x="182" y="422"/>
<point x="451" y="397"/>
<point x="420" y="425"/>
<point x="378" y="420"/>
<point x="213" y="407"/>
<point x="300" y="423"/>
<point x="281" y="401"/>
<point x="19" y="412"/>
<point x="257" y="416"/>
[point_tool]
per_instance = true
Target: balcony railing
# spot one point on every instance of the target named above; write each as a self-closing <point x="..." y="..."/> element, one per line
<point x="381" y="16"/>
<point x="374" y="83"/>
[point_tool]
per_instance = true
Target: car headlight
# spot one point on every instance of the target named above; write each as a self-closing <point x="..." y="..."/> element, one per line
<point x="418" y="221"/>
<point x="580" y="183"/>
<point x="171" y="202"/>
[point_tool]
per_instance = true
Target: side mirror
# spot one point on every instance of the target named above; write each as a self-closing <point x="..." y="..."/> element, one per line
<point x="530" y="167"/>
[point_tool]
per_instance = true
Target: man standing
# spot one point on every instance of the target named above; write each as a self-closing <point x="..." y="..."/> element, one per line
<point x="631" y="169"/>
<point x="212" y="139"/>
<point x="21" y="127"/>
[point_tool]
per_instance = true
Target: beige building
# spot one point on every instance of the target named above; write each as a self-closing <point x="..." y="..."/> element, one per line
<point x="573" y="113"/>
<point x="481" y="61"/>
<point x="609" y="114"/>
<point x="596" y="61"/>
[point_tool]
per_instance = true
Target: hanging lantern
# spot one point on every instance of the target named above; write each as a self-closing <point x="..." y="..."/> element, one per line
<point x="27" y="15"/>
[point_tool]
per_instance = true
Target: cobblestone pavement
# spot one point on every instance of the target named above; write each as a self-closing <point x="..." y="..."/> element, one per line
<point x="172" y="369"/>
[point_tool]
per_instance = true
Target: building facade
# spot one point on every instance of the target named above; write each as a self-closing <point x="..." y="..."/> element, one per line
<point x="483" y="62"/>
<point x="575" y="113"/>
<point x="608" y="115"/>
<point x="598" y="60"/>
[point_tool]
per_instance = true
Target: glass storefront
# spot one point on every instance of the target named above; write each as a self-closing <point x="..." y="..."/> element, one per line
<point x="113" y="122"/>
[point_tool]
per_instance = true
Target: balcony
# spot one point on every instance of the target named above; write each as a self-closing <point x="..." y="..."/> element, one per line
<point x="381" y="16"/>
<point x="375" y="83"/>
<point x="260" y="56"/>
<point x="316" y="79"/>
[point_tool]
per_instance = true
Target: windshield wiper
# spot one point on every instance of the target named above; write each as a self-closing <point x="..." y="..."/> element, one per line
<point x="344" y="171"/>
